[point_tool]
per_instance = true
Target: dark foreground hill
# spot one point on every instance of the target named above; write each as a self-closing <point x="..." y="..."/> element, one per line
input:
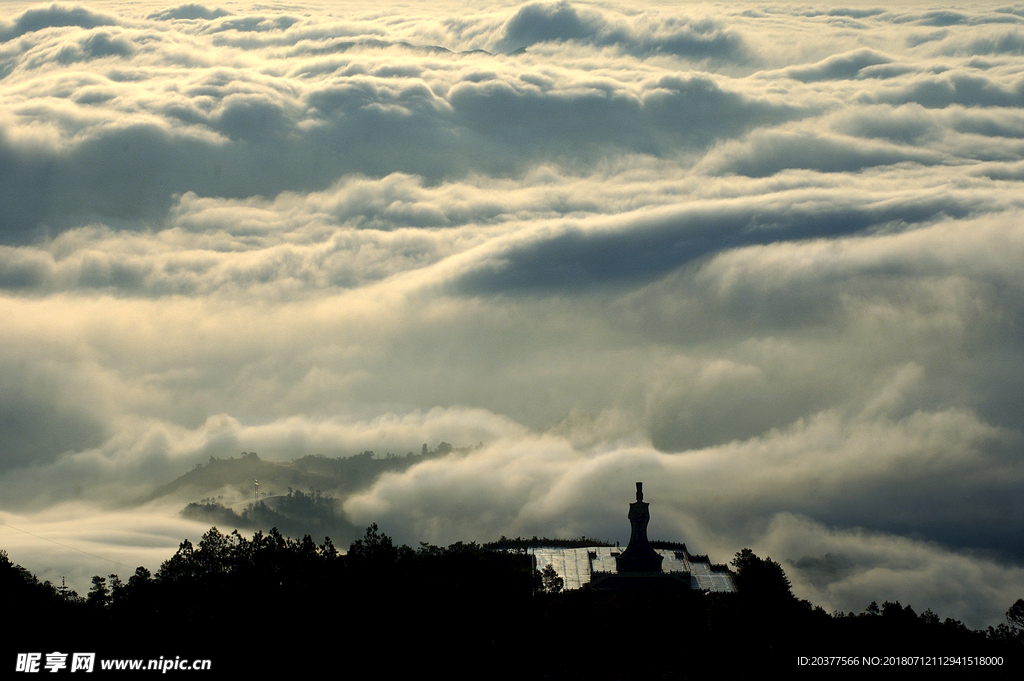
<point x="273" y="605"/>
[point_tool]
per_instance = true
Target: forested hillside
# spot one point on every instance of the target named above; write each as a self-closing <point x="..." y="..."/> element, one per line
<point x="302" y="496"/>
<point x="275" y="604"/>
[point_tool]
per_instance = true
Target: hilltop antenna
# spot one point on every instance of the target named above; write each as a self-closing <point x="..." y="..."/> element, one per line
<point x="257" y="490"/>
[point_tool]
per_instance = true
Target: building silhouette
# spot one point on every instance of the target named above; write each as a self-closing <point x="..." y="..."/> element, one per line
<point x="642" y="565"/>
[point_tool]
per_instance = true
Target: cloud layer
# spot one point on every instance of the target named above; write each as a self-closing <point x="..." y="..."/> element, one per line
<point x="766" y="259"/>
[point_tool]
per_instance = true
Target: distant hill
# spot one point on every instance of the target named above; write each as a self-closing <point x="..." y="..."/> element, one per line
<point x="223" y="491"/>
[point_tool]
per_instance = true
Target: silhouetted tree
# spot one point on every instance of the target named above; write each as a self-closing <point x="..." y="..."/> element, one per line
<point x="550" y="579"/>
<point x="117" y="590"/>
<point x="141" y="576"/>
<point x="99" y="594"/>
<point x="1015" y="615"/>
<point x="898" y="614"/>
<point x="180" y="567"/>
<point x="375" y="547"/>
<point x="760" y="577"/>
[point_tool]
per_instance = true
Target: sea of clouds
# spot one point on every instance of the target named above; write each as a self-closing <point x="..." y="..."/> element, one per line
<point x="766" y="258"/>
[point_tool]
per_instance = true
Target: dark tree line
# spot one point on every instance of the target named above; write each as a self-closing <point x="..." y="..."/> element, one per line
<point x="271" y="603"/>
<point x="522" y="544"/>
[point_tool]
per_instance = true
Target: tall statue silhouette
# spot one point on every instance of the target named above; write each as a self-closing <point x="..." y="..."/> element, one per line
<point x="639" y="556"/>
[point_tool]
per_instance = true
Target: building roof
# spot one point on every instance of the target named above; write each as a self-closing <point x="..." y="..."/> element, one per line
<point x="638" y="566"/>
<point x="578" y="566"/>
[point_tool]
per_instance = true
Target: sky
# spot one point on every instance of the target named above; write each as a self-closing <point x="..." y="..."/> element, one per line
<point x="765" y="258"/>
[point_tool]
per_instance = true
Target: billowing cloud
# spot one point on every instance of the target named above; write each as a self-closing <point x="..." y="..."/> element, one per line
<point x="55" y="16"/>
<point x="767" y="261"/>
<point x="840" y="66"/>
<point x="189" y="11"/>
<point x="700" y="39"/>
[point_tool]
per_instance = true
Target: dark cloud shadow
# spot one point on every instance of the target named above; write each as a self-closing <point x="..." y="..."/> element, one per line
<point x="578" y="260"/>
<point x="542" y="22"/>
<point x="40" y="419"/>
<point x="977" y="512"/>
<point x="97" y="45"/>
<point x="959" y="88"/>
<point x="680" y="113"/>
<point x="1009" y="43"/>
<point x="561" y="22"/>
<point x="367" y="125"/>
<point x="190" y="11"/>
<point x="839" y="67"/>
<point x="942" y="18"/>
<point x="54" y="16"/>
<point x="855" y="12"/>
<point x="771" y="153"/>
<point x="251" y="24"/>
